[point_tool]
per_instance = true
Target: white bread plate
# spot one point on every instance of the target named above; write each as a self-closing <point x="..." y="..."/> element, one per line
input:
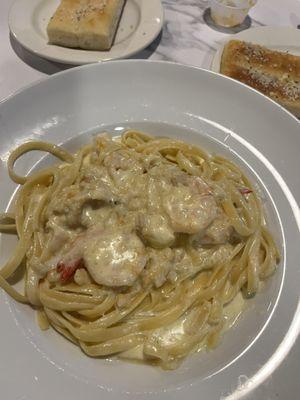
<point x="140" y="24"/>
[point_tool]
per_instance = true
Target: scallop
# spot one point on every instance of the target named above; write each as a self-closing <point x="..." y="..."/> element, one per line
<point x="156" y="231"/>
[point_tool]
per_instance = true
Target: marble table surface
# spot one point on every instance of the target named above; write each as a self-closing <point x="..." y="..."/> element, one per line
<point x="188" y="39"/>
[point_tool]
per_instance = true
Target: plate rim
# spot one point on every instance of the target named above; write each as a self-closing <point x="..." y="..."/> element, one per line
<point x="73" y="60"/>
<point x="123" y="60"/>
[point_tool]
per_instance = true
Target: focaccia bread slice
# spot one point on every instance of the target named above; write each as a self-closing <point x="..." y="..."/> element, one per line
<point x="273" y="73"/>
<point x="85" y="24"/>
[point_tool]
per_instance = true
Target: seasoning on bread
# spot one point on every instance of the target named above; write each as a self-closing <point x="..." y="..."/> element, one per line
<point x="85" y="24"/>
<point x="273" y="73"/>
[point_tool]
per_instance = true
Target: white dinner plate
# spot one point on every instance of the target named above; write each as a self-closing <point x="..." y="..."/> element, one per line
<point x="201" y="107"/>
<point x="281" y="38"/>
<point x="140" y="24"/>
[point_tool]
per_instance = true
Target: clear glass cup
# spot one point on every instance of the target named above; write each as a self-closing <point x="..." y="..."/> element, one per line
<point x="229" y="13"/>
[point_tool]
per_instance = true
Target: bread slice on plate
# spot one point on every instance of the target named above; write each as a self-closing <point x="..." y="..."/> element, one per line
<point x="273" y="73"/>
<point x="85" y="24"/>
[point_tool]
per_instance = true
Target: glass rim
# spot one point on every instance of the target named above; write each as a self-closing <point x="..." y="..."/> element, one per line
<point x="251" y="3"/>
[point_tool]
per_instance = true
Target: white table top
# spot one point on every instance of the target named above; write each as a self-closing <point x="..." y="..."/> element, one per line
<point x="186" y="38"/>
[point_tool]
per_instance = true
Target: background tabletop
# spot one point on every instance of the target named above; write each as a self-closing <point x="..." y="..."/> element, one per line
<point x="189" y="38"/>
<point x="186" y="38"/>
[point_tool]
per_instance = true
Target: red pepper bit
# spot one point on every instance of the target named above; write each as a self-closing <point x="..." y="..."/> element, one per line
<point x="244" y="191"/>
<point x="67" y="271"/>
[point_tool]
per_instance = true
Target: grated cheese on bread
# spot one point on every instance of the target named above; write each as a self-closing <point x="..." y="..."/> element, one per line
<point x="85" y="24"/>
<point x="273" y="73"/>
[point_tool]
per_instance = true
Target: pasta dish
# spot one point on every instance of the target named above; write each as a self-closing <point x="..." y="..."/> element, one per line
<point x="135" y="246"/>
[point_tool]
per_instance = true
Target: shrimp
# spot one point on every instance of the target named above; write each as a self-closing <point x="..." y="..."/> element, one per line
<point x="189" y="212"/>
<point x="115" y="258"/>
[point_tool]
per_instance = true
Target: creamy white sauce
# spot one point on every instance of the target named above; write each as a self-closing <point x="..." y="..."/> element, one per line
<point x="121" y="211"/>
<point x="169" y="335"/>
